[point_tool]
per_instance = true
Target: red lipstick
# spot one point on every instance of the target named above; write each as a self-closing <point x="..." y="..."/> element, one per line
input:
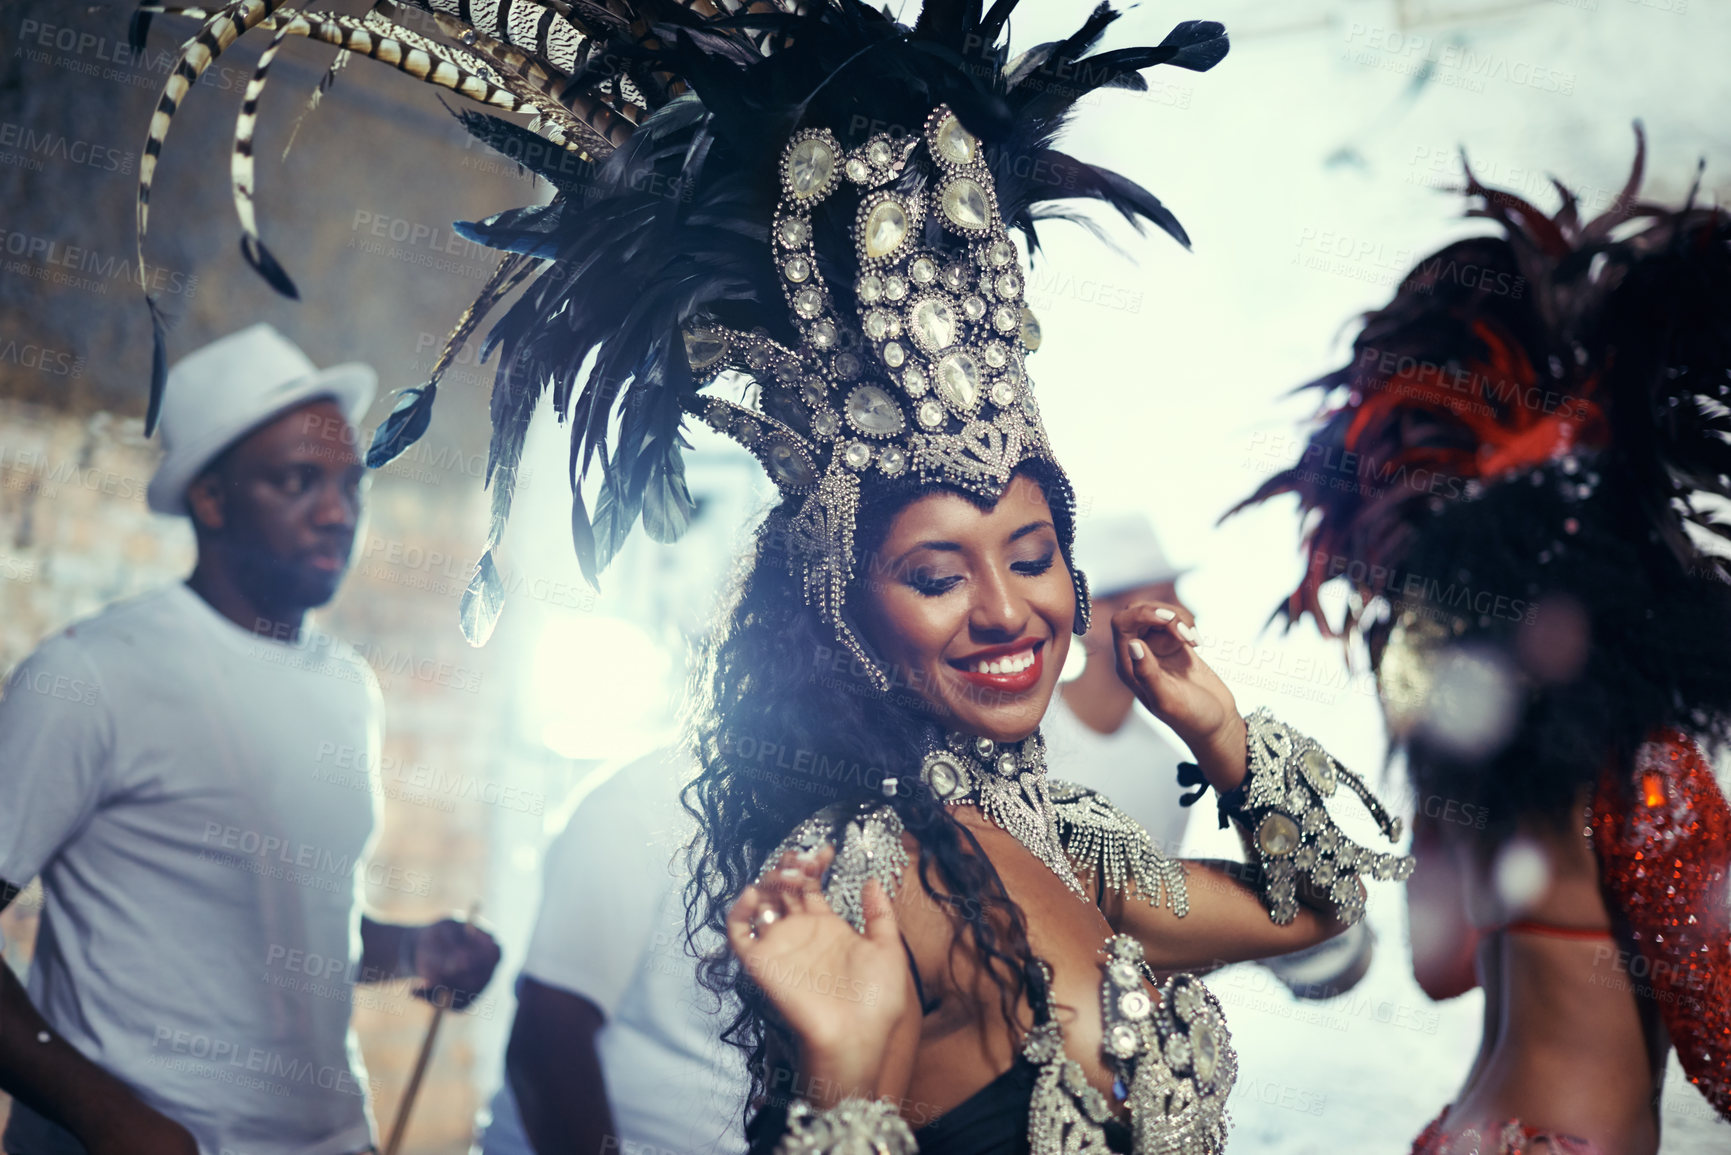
<point x="1012" y="668"/>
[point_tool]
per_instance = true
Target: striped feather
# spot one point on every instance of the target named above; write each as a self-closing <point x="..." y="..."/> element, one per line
<point x="241" y="169"/>
<point x="531" y="26"/>
<point x="588" y="126"/>
<point x="220" y="29"/>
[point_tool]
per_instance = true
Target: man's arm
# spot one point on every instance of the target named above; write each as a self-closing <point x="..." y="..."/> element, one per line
<point x="48" y="1075"/>
<point x="555" y="1072"/>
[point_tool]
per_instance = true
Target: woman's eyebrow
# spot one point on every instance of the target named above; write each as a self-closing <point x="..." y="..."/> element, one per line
<point x="942" y="546"/>
<point x="955" y="547"/>
<point x="1031" y="527"/>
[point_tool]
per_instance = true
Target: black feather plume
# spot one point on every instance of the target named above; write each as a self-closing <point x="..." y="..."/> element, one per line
<point x="403" y="427"/>
<point x="267" y="266"/>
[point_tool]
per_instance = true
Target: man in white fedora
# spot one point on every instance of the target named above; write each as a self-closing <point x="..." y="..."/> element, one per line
<point x="166" y="771"/>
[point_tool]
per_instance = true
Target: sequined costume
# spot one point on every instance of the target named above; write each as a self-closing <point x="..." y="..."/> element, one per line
<point x="1508" y="1137"/>
<point x="1171" y="1052"/>
<point x="1663" y="837"/>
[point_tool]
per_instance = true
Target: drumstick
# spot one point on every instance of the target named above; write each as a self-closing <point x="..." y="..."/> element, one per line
<point x="441" y="1002"/>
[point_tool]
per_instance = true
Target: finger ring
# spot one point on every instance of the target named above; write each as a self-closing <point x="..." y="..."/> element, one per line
<point x="767" y="917"/>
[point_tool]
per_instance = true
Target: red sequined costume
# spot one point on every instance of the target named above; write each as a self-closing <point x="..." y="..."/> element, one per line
<point x="1506" y="1138"/>
<point x="1664" y="854"/>
<point x="1664" y="844"/>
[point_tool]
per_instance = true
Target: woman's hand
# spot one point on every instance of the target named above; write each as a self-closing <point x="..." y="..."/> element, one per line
<point x="845" y="994"/>
<point x="1156" y="648"/>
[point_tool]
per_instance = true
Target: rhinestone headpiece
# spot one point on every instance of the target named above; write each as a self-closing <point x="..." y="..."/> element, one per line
<point x="923" y="377"/>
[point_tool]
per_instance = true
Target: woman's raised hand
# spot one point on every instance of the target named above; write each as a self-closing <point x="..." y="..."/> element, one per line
<point x="1156" y="647"/>
<point x="844" y="993"/>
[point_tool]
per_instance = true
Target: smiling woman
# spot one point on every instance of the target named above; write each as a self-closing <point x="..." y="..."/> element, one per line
<point x="967" y="604"/>
<point x="975" y="605"/>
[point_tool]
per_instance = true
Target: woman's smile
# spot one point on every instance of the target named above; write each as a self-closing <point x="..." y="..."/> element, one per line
<point x="1012" y="668"/>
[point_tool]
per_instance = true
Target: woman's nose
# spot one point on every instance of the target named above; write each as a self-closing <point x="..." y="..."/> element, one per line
<point x="997" y="613"/>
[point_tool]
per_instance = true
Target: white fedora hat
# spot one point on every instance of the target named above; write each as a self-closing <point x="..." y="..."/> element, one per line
<point x="1120" y="552"/>
<point x="222" y="392"/>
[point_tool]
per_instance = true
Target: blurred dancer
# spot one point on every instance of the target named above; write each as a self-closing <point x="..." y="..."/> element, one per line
<point x="200" y="931"/>
<point x="616" y="1050"/>
<point x="1553" y="648"/>
<point x="1095" y="737"/>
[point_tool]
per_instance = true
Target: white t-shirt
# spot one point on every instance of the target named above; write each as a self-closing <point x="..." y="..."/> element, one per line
<point x="611" y="929"/>
<point x="1135" y="767"/>
<point x="188" y="793"/>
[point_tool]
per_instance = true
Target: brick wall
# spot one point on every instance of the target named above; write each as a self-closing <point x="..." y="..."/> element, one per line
<point x="360" y="215"/>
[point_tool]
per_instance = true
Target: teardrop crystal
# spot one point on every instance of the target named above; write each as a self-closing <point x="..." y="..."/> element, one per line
<point x="787" y="465"/>
<point x="1277" y="835"/>
<point x="886" y="227"/>
<point x="955" y="143"/>
<point x="1030" y="330"/>
<point x="964" y="203"/>
<point x="958" y="381"/>
<point x="872" y="412"/>
<point x="934" y="323"/>
<point x="810" y="167"/>
<point x="703" y="347"/>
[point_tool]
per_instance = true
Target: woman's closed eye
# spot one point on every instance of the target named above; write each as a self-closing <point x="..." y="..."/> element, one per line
<point x="929" y="584"/>
<point x="1034" y="567"/>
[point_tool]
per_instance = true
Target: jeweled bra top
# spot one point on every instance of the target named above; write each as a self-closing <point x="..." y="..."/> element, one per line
<point x="1171" y="1053"/>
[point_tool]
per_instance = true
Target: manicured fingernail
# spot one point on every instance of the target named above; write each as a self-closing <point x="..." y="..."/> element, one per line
<point x="792" y="875"/>
<point x="1188" y="633"/>
<point x="807" y="855"/>
<point x="1137" y="653"/>
<point x="1164" y="615"/>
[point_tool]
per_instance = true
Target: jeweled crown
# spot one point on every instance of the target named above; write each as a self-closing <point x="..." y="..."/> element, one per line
<point x="927" y="374"/>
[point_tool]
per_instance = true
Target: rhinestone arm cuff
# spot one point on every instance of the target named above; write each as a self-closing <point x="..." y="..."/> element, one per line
<point x="851" y="1127"/>
<point x="1281" y="809"/>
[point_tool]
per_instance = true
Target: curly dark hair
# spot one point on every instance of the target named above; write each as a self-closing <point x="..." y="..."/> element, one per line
<point x="784" y="725"/>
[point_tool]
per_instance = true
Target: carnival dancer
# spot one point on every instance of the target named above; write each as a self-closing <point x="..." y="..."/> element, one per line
<point x="809" y="207"/>
<point x="1550" y="642"/>
<point x="201" y="935"/>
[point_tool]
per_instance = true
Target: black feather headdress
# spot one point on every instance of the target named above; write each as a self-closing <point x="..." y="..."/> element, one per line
<point x="1513" y="483"/>
<point x="655" y="271"/>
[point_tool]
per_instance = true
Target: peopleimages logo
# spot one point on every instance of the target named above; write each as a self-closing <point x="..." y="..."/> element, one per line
<point x="1394" y="582"/>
